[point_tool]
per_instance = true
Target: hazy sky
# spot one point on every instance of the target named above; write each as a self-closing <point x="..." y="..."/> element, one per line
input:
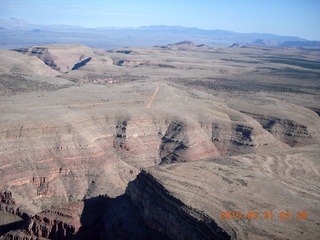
<point x="284" y="17"/>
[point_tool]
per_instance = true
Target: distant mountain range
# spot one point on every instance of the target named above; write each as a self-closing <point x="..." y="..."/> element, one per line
<point x="19" y="33"/>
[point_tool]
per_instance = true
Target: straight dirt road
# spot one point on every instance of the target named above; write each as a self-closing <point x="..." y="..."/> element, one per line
<point x="153" y="97"/>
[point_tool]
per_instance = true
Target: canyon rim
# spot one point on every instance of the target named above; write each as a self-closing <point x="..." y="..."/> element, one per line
<point x="181" y="141"/>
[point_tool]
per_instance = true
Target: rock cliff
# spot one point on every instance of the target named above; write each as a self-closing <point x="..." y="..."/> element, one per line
<point x="288" y="131"/>
<point x="167" y="214"/>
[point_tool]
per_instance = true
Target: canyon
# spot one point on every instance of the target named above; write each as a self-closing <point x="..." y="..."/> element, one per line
<point x="159" y="142"/>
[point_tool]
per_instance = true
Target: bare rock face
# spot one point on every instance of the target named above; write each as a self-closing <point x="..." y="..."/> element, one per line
<point x="20" y="235"/>
<point x="6" y="198"/>
<point x="290" y="132"/>
<point x="167" y="214"/>
<point x="291" y="124"/>
<point x="241" y="135"/>
<point x="185" y="142"/>
<point x="8" y="205"/>
<point x="60" y="223"/>
<point x="137" y="141"/>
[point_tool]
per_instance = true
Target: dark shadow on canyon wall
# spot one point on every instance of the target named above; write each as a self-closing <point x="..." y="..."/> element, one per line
<point x="114" y="218"/>
<point x="11" y="226"/>
<point x="146" y="211"/>
<point x="167" y="213"/>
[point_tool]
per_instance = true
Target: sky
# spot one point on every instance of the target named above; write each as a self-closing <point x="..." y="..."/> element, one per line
<point x="299" y="18"/>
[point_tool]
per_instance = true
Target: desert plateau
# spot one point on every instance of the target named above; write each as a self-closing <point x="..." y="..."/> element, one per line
<point x="176" y="141"/>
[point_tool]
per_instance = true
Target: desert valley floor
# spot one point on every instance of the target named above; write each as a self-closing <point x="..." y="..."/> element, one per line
<point x="181" y="141"/>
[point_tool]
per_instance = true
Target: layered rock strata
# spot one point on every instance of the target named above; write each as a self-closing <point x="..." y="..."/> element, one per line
<point x="64" y="143"/>
<point x="288" y="131"/>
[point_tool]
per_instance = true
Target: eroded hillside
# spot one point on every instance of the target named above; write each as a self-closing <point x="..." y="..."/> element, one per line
<point x="206" y="130"/>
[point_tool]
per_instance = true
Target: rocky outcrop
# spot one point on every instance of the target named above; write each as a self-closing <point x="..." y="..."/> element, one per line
<point x="288" y="131"/>
<point x="61" y="223"/>
<point x="6" y="198"/>
<point x="8" y="205"/>
<point x="167" y="214"/>
<point x="136" y="141"/>
<point x="11" y="215"/>
<point x="243" y="136"/>
<point x="20" y="235"/>
<point x="149" y="142"/>
<point x="183" y="142"/>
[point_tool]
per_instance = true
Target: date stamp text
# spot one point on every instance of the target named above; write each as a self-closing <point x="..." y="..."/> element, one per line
<point x="301" y="215"/>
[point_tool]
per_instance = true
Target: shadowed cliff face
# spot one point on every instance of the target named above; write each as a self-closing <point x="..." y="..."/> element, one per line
<point x="167" y="214"/>
<point x="96" y="218"/>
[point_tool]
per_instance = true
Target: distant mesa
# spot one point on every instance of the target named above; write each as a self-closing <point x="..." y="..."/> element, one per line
<point x="124" y="51"/>
<point x="236" y="45"/>
<point x="182" y="44"/>
<point x="202" y="45"/>
<point x="185" y="43"/>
